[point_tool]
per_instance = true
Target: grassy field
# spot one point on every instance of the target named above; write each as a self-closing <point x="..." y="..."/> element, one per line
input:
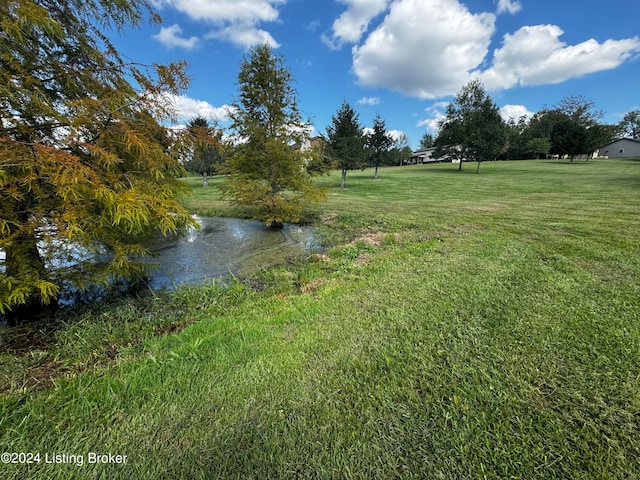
<point x="461" y="326"/>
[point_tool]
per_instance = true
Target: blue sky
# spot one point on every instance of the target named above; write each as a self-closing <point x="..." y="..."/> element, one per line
<point x="403" y="59"/>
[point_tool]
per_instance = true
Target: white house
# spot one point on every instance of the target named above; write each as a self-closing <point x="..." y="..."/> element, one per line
<point x="423" y="156"/>
<point x="623" y="148"/>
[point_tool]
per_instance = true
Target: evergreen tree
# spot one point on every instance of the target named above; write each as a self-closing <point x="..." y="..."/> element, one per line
<point x="379" y="142"/>
<point x="84" y="157"/>
<point x="266" y="171"/>
<point x="205" y="148"/>
<point x="346" y="141"/>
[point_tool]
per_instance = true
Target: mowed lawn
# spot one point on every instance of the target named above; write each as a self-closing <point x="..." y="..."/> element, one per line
<point x="461" y="326"/>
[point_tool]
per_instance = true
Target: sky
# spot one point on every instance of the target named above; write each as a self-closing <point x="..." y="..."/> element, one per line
<point x="401" y="59"/>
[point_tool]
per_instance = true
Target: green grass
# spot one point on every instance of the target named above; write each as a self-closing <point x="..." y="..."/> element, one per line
<point x="462" y="326"/>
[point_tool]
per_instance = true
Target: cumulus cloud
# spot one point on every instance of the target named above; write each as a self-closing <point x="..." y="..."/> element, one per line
<point x="243" y="36"/>
<point x="394" y="135"/>
<point x="353" y="23"/>
<point x="515" y="112"/>
<point x="369" y="101"/>
<point x="534" y="55"/>
<point x="170" y="37"/>
<point x="187" y="108"/>
<point x="431" y="48"/>
<point x="227" y="10"/>
<point x="233" y="20"/>
<point x="509" y="6"/>
<point x="424" y="48"/>
<point x="435" y="114"/>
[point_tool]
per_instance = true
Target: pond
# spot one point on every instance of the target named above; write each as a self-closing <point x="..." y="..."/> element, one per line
<point x="223" y="246"/>
<point x="219" y="248"/>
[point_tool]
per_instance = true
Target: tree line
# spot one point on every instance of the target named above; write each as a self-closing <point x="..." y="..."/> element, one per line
<point x="346" y="145"/>
<point x="473" y="130"/>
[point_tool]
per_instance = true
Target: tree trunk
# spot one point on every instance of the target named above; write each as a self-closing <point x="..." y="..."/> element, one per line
<point x="460" y="166"/>
<point x="376" y="174"/>
<point x="23" y="260"/>
<point x="478" y="167"/>
<point x="344" y="177"/>
<point x="205" y="180"/>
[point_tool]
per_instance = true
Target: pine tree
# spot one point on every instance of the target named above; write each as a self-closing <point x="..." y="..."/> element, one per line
<point x="266" y="171"/>
<point x="204" y="148"/>
<point x="346" y="140"/>
<point x="379" y="142"/>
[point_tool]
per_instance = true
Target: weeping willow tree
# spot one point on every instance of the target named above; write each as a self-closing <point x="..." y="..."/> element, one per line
<point x="86" y="164"/>
<point x="267" y="171"/>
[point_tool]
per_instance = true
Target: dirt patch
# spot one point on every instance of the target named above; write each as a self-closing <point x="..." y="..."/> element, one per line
<point x="27" y="337"/>
<point x="373" y="239"/>
<point x="362" y="259"/>
<point x="311" y="287"/>
<point x="329" y="218"/>
<point x="44" y="374"/>
<point x="319" y="258"/>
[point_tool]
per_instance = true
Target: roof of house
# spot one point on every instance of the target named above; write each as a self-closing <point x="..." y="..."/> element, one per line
<point x="424" y="150"/>
<point x="635" y="140"/>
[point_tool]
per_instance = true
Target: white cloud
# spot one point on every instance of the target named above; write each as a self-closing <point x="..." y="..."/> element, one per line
<point x="243" y="35"/>
<point x="251" y="11"/>
<point x="534" y="55"/>
<point x="395" y="135"/>
<point x="351" y="25"/>
<point x="510" y="6"/>
<point x="369" y="101"/>
<point x="435" y="114"/>
<point x="431" y="48"/>
<point x="170" y="37"/>
<point x="187" y="108"/>
<point x="424" y="48"/>
<point x="515" y="112"/>
<point x="234" y="20"/>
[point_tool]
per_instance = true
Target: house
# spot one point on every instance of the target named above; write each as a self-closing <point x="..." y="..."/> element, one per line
<point x="313" y="143"/>
<point x="423" y="156"/>
<point x="623" y="148"/>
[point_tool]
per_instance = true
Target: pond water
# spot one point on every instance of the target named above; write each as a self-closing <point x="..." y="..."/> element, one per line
<point x="226" y="245"/>
<point x="219" y="248"/>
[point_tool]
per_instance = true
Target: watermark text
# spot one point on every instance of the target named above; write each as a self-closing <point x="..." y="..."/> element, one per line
<point x="90" y="458"/>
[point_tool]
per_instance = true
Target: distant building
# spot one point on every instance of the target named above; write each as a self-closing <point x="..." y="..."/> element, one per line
<point x="623" y="148"/>
<point x="423" y="156"/>
<point x="313" y="143"/>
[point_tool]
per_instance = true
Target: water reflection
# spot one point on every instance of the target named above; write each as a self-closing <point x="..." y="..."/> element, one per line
<point x="220" y="247"/>
<point x="223" y="246"/>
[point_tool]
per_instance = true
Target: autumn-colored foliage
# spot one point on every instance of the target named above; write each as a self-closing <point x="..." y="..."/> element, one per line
<point x="86" y="164"/>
